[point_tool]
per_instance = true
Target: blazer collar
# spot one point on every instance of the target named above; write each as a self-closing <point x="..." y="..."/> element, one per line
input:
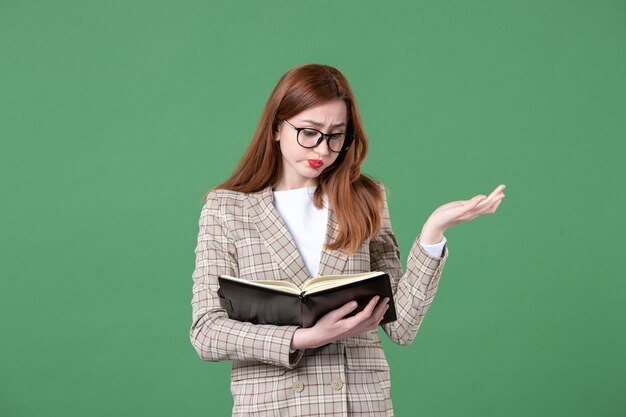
<point x="332" y="262"/>
<point x="281" y="245"/>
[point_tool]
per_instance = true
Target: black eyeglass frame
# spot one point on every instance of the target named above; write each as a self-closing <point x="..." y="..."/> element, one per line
<point x="346" y="145"/>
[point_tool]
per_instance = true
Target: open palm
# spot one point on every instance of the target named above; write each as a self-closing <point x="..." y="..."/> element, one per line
<point x="458" y="212"/>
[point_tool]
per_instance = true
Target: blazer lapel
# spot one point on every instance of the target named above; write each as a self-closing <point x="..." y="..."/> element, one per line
<point x="332" y="262"/>
<point x="277" y="238"/>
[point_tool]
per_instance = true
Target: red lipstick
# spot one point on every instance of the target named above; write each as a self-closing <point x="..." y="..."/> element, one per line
<point x="315" y="163"/>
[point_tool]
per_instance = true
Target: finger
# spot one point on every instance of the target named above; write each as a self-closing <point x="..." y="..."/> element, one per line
<point x="367" y="311"/>
<point x="365" y="314"/>
<point x="379" y="312"/>
<point x="379" y="318"/>
<point x="381" y="307"/>
<point x="487" y="200"/>
<point x="343" y="310"/>
<point x="496" y="199"/>
<point x="494" y="193"/>
<point x="382" y="316"/>
<point x="479" y="200"/>
<point x="491" y="207"/>
<point x="495" y="207"/>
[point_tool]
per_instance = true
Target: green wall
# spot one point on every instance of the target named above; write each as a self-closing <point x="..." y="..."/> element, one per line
<point x="117" y="116"/>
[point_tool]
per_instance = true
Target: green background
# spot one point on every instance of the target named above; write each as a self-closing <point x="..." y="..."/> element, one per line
<point x="117" y="116"/>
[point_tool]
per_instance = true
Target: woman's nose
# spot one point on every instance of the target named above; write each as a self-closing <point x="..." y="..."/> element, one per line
<point x="322" y="148"/>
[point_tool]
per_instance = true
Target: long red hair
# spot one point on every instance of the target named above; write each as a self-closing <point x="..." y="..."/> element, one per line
<point x="356" y="200"/>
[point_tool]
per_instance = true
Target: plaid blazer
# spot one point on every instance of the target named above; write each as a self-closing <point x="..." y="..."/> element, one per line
<point x="243" y="235"/>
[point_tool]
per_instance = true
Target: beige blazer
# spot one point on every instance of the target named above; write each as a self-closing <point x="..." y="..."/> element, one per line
<point x="243" y="235"/>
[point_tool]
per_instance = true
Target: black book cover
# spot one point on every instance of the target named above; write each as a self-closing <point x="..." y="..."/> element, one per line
<point x="255" y="304"/>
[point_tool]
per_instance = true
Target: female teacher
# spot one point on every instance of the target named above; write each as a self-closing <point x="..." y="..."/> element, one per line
<point x="298" y="206"/>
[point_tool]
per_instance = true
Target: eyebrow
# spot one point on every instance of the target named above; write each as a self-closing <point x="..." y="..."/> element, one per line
<point x="318" y="124"/>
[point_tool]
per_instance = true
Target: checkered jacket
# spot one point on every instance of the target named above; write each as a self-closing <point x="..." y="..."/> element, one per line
<point x="243" y="235"/>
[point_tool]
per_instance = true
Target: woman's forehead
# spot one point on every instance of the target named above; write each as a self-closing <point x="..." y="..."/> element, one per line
<point x="334" y="114"/>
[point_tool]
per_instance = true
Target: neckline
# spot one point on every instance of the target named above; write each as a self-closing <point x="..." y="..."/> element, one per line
<point x="301" y="189"/>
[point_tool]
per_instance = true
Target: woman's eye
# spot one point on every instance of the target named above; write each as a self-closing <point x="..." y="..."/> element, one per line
<point x="310" y="133"/>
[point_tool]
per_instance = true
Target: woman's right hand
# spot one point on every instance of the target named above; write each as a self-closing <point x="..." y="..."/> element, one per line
<point x="335" y="326"/>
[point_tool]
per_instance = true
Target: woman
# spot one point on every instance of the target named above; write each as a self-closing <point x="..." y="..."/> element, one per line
<point x="298" y="206"/>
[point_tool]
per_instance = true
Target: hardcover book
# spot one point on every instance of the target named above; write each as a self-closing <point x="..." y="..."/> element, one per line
<point x="283" y="303"/>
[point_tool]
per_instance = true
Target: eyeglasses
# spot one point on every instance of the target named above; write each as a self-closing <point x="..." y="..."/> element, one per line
<point x="311" y="138"/>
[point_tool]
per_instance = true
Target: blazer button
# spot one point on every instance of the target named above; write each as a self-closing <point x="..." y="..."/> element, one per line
<point x="336" y="383"/>
<point x="298" y="386"/>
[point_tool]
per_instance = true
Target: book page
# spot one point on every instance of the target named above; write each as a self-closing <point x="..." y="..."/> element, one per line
<point x="283" y="286"/>
<point x="331" y="281"/>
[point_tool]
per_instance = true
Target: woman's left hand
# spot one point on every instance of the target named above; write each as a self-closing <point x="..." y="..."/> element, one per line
<point x="458" y="212"/>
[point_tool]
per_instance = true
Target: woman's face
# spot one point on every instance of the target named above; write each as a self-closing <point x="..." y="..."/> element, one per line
<point x="302" y="166"/>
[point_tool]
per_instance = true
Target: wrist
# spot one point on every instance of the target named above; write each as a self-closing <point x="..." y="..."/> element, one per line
<point x="431" y="234"/>
<point x="301" y="339"/>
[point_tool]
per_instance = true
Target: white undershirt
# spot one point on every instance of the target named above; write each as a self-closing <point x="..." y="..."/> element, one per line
<point x="307" y="225"/>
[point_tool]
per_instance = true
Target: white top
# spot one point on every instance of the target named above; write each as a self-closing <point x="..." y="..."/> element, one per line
<point x="305" y="222"/>
<point x="307" y="225"/>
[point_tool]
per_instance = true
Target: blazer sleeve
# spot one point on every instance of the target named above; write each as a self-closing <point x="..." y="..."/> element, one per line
<point x="415" y="289"/>
<point x="214" y="336"/>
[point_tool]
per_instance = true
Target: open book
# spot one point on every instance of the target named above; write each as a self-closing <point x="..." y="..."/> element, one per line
<point x="283" y="303"/>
